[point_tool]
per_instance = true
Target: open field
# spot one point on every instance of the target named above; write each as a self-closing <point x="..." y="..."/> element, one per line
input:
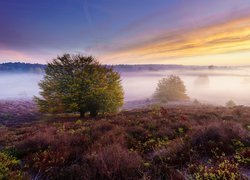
<point x="176" y="142"/>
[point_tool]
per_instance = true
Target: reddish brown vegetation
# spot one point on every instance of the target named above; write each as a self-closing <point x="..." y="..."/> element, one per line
<point x="12" y="112"/>
<point x="150" y="143"/>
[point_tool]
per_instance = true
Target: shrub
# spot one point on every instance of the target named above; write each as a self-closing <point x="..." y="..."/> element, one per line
<point x="38" y="142"/>
<point x="116" y="162"/>
<point x="217" y="138"/>
<point x="171" y="88"/>
<point x="177" y="152"/>
<point x="243" y="157"/>
<point x="9" y="167"/>
<point x="137" y="144"/>
<point x="226" y="169"/>
<point x="75" y="83"/>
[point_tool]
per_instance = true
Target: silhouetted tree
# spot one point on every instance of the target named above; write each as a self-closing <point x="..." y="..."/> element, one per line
<point x="171" y="88"/>
<point x="76" y="83"/>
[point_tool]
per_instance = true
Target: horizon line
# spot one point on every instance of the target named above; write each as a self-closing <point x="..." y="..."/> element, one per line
<point x="138" y="64"/>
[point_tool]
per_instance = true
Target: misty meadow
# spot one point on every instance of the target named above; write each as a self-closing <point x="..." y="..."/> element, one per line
<point x="139" y="82"/>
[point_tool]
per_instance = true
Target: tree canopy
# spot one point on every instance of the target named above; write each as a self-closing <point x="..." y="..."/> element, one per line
<point x="76" y="83"/>
<point x="171" y="88"/>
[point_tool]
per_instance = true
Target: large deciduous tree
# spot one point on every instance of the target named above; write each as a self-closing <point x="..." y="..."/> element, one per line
<point x="76" y="83"/>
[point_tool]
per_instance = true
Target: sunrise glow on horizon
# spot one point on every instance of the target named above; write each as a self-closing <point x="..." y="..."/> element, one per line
<point x="127" y="32"/>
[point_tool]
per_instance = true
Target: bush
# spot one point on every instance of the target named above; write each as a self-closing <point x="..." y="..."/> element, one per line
<point x="37" y="142"/>
<point x="116" y="162"/>
<point x="75" y="83"/>
<point x="171" y="88"/>
<point x="9" y="167"/>
<point x="225" y="169"/>
<point x="217" y="139"/>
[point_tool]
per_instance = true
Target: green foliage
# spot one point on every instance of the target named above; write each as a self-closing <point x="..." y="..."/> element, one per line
<point x="180" y="130"/>
<point x="76" y="83"/>
<point x="9" y="167"/>
<point x="224" y="170"/>
<point x="171" y="88"/>
<point x="79" y="122"/>
<point x="243" y="156"/>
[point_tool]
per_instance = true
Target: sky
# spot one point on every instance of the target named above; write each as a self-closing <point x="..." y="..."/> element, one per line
<point x="189" y="32"/>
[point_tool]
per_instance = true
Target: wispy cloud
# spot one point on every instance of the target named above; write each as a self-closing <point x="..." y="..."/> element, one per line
<point x="230" y="35"/>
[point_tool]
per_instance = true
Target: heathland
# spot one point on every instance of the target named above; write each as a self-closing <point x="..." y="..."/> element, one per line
<point x="191" y="141"/>
<point x="149" y="138"/>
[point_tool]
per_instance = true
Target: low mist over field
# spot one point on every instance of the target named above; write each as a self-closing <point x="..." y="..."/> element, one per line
<point x="19" y="85"/>
<point x="209" y="85"/>
<point x="215" y="87"/>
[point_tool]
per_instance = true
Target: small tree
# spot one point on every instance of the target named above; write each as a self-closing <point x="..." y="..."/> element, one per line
<point x="171" y="88"/>
<point x="196" y="102"/>
<point x="230" y="103"/>
<point x="76" y="83"/>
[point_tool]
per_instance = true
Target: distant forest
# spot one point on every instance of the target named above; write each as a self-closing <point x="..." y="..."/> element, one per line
<point x="18" y="67"/>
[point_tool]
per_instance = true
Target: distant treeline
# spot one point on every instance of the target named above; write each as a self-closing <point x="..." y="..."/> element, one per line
<point x="19" y="67"/>
<point x="145" y="67"/>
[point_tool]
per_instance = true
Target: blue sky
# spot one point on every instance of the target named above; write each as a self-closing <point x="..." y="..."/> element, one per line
<point x="121" y="31"/>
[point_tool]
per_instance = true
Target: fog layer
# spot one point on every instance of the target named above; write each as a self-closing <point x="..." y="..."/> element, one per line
<point x="210" y="86"/>
<point x="21" y="86"/>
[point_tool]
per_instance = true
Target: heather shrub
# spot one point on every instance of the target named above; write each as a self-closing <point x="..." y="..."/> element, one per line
<point x="116" y="162"/>
<point x="217" y="138"/>
<point x="100" y="128"/>
<point x="76" y="171"/>
<point x="166" y="161"/>
<point x="38" y="142"/>
<point x="177" y="152"/>
<point x="48" y="162"/>
<point x="138" y="133"/>
<point x="54" y="161"/>
<point x="116" y="136"/>
<point x="166" y="131"/>
<point x="167" y="143"/>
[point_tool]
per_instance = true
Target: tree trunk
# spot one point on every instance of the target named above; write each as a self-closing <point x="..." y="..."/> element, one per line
<point x="93" y="113"/>
<point x="82" y="114"/>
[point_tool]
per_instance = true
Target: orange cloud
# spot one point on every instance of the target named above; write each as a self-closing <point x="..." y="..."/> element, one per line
<point x="220" y="38"/>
